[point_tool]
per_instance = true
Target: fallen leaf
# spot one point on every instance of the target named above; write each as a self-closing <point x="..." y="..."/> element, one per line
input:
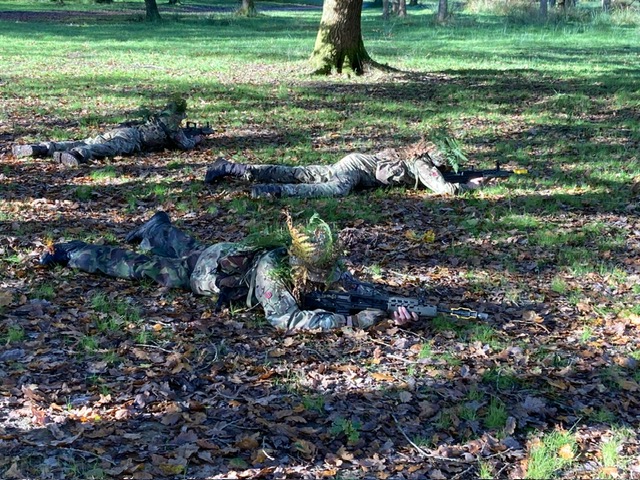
<point x="566" y="452"/>
<point x="382" y="377"/>
<point x="531" y="316"/>
<point x="609" y="472"/>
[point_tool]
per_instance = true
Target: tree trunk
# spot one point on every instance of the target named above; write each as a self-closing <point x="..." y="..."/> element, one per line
<point x="443" y="11"/>
<point x="385" y="9"/>
<point x="153" y="14"/>
<point x="413" y="3"/>
<point x="606" y="5"/>
<point x="402" y="8"/>
<point x="247" y="9"/>
<point x="340" y="38"/>
<point x="544" y="8"/>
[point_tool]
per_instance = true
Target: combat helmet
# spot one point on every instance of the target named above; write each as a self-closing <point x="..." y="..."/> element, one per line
<point x="177" y="106"/>
<point x="313" y="252"/>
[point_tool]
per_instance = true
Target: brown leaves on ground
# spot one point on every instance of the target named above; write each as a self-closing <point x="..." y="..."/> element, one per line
<point x="160" y="386"/>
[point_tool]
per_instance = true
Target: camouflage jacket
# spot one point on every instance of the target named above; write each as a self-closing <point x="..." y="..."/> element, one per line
<point x="251" y="274"/>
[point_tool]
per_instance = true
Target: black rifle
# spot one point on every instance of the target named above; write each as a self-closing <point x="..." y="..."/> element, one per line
<point x="352" y="302"/>
<point x="192" y="129"/>
<point x="464" y="176"/>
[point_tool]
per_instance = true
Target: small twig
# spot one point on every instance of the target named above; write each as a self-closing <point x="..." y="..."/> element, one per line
<point x="402" y="359"/>
<point x="374" y="340"/>
<point x="527" y="322"/>
<point x="461" y="474"/>
<point x="420" y="450"/>
<point x="424" y="452"/>
<point x="150" y="345"/>
<point x="90" y="453"/>
<point x="414" y="333"/>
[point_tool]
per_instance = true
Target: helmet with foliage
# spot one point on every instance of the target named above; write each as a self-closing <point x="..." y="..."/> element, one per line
<point x="313" y="252"/>
<point x="443" y="151"/>
<point x="177" y="106"/>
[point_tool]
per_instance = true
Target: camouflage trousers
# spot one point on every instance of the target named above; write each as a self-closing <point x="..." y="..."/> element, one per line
<point x="121" y="263"/>
<point x="170" y="259"/>
<point x="353" y="171"/>
<point x="339" y="179"/>
<point x="121" y="141"/>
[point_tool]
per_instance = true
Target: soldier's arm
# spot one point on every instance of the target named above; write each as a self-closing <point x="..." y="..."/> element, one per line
<point x="280" y="307"/>
<point x="430" y="176"/>
<point x="183" y="142"/>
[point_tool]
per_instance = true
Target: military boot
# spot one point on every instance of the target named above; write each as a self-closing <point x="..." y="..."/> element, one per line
<point x="68" y="159"/>
<point x="266" y="191"/>
<point x="36" y="151"/>
<point x="60" y="255"/>
<point x="139" y="233"/>
<point x="224" y="168"/>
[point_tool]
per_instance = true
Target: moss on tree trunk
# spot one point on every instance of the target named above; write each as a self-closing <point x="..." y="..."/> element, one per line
<point x="339" y="39"/>
<point x="247" y="9"/>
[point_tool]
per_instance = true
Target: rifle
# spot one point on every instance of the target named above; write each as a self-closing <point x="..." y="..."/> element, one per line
<point x="465" y="175"/>
<point x="192" y="129"/>
<point x="358" y="299"/>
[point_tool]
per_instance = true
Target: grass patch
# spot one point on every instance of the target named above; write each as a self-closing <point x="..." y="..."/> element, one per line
<point x="549" y="454"/>
<point x="15" y="334"/>
<point x="495" y="416"/>
<point x="105" y="173"/>
<point x="45" y="291"/>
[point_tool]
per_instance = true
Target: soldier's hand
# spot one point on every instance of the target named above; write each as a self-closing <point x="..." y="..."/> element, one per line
<point x="368" y="317"/>
<point x="197" y="139"/>
<point x="476" y="182"/>
<point x="402" y="316"/>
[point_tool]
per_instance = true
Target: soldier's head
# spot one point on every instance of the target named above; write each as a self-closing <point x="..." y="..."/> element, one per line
<point x="424" y="150"/>
<point x="174" y="112"/>
<point x="313" y="253"/>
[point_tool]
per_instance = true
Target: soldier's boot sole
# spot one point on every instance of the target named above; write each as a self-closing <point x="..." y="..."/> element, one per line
<point x="67" y="159"/>
<point x="21" y="151"/>
<point x="139" y="233"/>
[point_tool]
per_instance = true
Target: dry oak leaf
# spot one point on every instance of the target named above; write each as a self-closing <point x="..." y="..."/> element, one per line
<point x="382" y="377"/>
<point x="248" y="443"/>
<point x="566" y="452"/>
<point x="531" y="316"/>
<point x="611" y="472"/>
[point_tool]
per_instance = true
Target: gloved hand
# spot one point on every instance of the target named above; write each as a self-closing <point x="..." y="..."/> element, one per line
<point x="366" y="318"/>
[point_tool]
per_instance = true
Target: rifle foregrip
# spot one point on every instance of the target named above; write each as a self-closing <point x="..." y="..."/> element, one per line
<point x="413" y="305"/>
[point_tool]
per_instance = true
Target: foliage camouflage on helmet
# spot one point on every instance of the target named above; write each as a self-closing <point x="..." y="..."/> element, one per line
<point x="313" y="252"/>
<point x="176" y="105"/>
<point x="443" y="149"/>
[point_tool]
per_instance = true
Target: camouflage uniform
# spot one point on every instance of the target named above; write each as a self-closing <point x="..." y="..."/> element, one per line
<point x="162" y="130"/>
<point x="174" y="259"/>
<point x="356" y="170"/>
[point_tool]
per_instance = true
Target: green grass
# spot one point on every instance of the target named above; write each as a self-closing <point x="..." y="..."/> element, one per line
<point x="555" y="97"/>
<point x="346" y="427"/>
<point x="15" y="334"/>
<point x="495" y="416"/>
<point x="84" y="193"/>
<point x="104" y="173"/>
<point x="45" y="291"/>
<point x="550" y="454"/>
